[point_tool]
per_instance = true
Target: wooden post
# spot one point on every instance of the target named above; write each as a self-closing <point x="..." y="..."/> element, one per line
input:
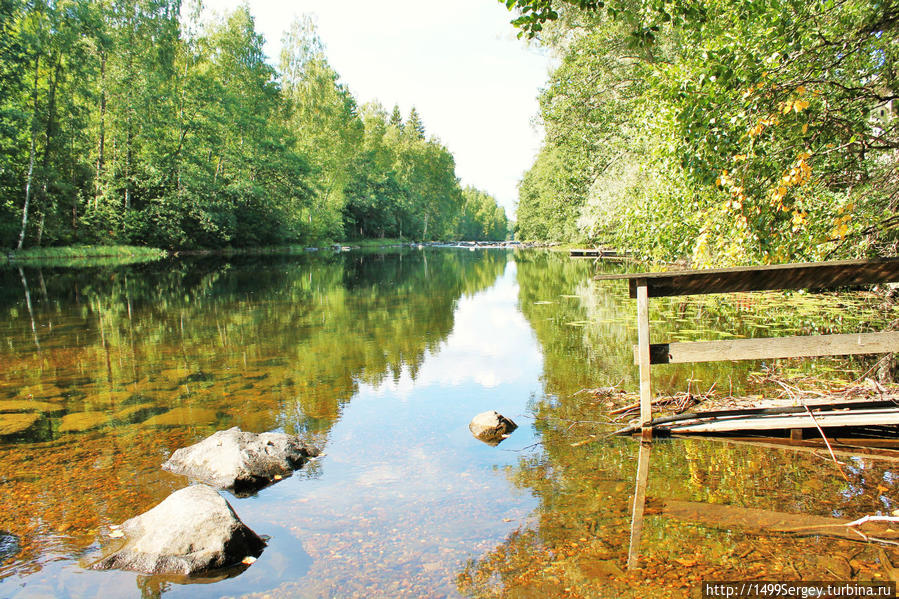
<point x="633" y="553"/>
<point x="643" y="357"/>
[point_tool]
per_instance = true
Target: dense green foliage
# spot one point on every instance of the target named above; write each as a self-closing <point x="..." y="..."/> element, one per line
<point x="133" y="121"/>
<point x="725" y="132"/>
<point x="482" y="218"/>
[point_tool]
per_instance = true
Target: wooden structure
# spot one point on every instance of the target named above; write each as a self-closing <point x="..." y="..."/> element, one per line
<point x="597" y="253"/>
<point x="821" y="275"/>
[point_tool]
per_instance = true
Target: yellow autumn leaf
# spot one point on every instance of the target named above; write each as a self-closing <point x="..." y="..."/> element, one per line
<point x="800" y="105"/>
<point x="805" y="128"/>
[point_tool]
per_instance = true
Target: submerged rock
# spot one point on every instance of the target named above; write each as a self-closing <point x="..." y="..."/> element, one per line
<point x="9" y="545"/>
<point x="183" y="416"/>
<point x="240" y="461"/>
<point x="31" y="405"/>
<point x="191" y="532"/>
<point x="17" y="424"/>
<point x="491" y="427"/>
<point x="78" y="422"/>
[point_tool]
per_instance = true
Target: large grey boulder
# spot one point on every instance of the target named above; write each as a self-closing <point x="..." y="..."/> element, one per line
<point x="239" y="461"/>
<point x="491" y="427"/>
<point x="191" y="532"/>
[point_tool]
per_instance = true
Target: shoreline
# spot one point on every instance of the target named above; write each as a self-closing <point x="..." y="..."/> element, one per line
<point x="140" y="253"/>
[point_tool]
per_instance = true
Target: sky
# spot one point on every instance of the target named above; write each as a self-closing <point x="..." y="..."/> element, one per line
<point x="457" y="62"/>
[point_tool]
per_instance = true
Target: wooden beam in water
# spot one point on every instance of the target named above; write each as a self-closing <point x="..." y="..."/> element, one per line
<point x="881" y="417"/>
<point x="771" y="348"/>
<point x="812" y="275"/>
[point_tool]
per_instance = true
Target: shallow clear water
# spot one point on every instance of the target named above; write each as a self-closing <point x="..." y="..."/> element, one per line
<point x="383" y="358"/>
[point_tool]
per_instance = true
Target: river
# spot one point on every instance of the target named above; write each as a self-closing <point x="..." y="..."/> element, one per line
<point x="382" y="358"/>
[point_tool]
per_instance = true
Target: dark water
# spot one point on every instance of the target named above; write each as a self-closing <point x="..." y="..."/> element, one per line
<point x="384" y="359"/>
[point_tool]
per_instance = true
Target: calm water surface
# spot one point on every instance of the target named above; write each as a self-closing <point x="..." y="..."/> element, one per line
<point x="383" y="359"/>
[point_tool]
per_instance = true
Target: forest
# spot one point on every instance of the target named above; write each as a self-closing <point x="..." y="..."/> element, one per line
<point x="720" y="132"/>
<point x="143" y="122"/>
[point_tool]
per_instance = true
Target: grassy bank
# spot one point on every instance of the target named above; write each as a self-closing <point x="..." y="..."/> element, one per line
<point x="99" y="255"/>
<point x="83" y="255"/>
<point x="374" y="243"/>
<point x="87" y="251"/>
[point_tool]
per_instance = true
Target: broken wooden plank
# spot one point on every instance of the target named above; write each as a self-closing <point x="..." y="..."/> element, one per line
<point x="819" y="405"/>
<point x="781" y="422"/>
<point x="812" y="275"/>
<point x="584" y="252"/>
<point x="772" y="348"/>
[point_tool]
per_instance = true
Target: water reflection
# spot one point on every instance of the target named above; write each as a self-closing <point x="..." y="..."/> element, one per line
<point x="639" y="509"/>
<point x="714" y="510"/>
<point x="138" y="361"/>
<point x="384" y="358"/>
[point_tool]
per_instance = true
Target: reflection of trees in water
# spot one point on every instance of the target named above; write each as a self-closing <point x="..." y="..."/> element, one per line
<point x="154" y="357"/>
<point x="578" y="538"/>
<point x="576" y="544"/>
<point x="310" y="328"/>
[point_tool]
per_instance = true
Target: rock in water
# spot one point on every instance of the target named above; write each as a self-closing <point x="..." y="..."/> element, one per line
<point x="491" y="427"/>
<point x="9" y="545"/>
<point x="191" y="532"/>
<point x="239" y="461"/>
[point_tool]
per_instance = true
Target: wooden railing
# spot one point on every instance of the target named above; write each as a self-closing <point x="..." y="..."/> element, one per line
<point x="819" y="275"/>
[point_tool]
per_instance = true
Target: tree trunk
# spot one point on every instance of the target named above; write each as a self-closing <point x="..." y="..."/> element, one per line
<point x="40" y="230"/>
<point x="49" y="135"/>
<point x="28" y="180"/>
<point x="101" y="142"/>
<point x="129" y="138"/>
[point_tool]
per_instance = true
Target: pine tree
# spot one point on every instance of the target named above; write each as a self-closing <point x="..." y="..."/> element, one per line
<point x="396" y="118"/>
<point x="415" y="127"/>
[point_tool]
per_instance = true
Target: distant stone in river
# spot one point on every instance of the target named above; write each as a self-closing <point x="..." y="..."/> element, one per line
<point x="491" y="427"/>
<point x="193" y="531"/>
<point x="239" y="461"/>
<point x="9" y="545"/>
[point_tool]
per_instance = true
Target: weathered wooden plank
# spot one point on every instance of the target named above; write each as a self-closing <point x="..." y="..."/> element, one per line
<point x="771" y="348"/>
<point x="596" y="253"/>
<point x="643" y="356"/>
<point x="584" y="252"/>
<point x="762" y="423"/>
<point x="812" y="275"/>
